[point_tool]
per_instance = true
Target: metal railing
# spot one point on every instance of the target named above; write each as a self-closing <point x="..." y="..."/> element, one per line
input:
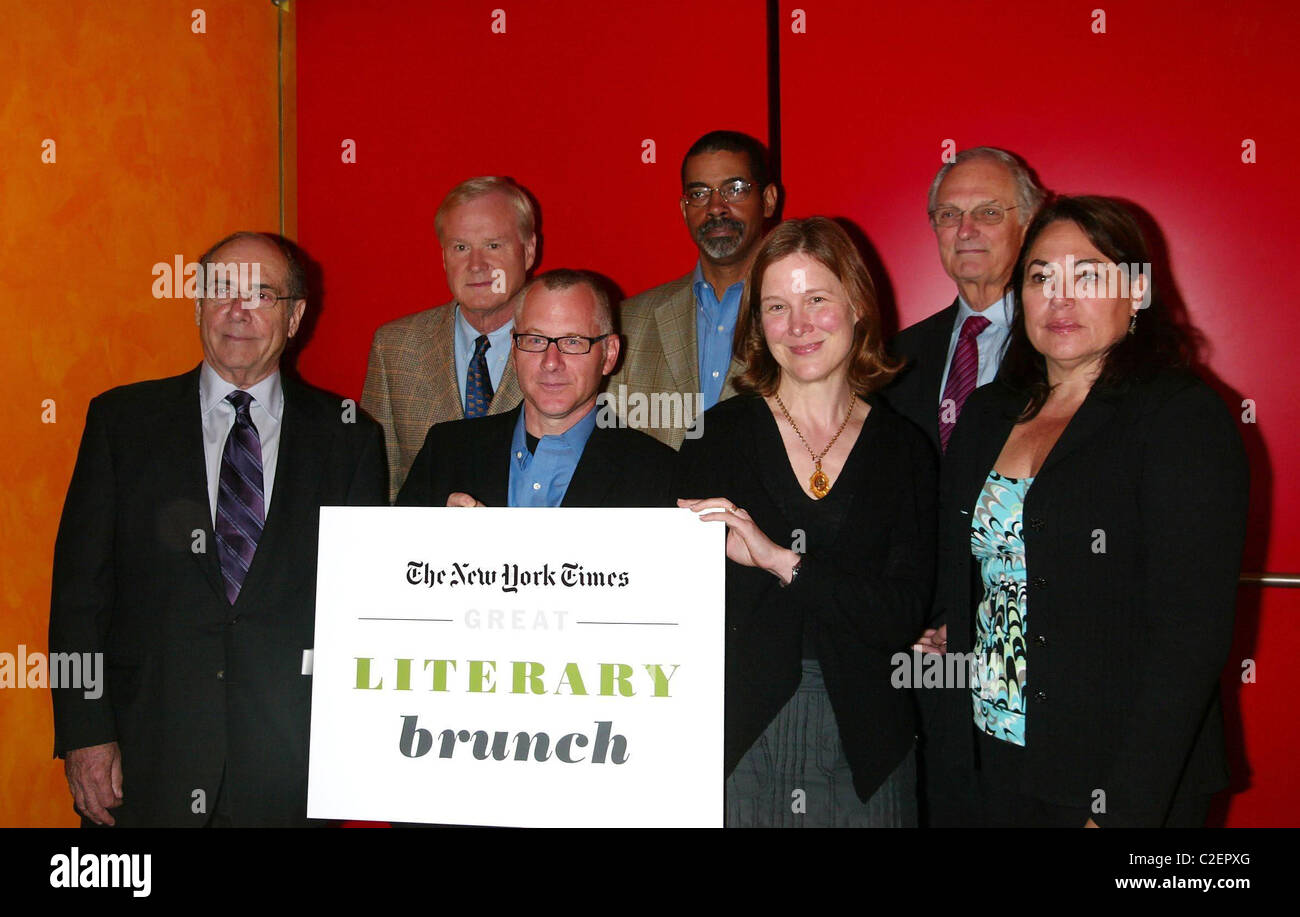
<point x="1285" y="580"/>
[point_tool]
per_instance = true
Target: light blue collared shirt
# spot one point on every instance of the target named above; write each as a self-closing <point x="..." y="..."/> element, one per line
<point x="218" y="416"/>
<point x="498" y="352"/>
<point x="542" y="478"/>
<point x="715" y="324"/>
<point x="992" y="341"/>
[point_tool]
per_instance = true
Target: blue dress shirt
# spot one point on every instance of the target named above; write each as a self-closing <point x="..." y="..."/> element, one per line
<point x="715" y="324"/>
<point x="992" y="341"/>
<point x="541" y="478"/>
<point x="497" y="354"/>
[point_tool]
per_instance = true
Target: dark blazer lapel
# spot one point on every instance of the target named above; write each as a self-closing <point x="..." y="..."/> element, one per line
<point x="489" y="458"/>
<point x="936" y="351"/>
<point x="597" y="473"/>
<point x="992" y="420"/>
<point x="303" y="451"/>
<point x="186" y="459"/>
<point x="1096" y="412"/>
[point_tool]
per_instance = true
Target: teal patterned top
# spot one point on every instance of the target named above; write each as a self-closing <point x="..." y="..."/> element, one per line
<point x="998" y="691"/>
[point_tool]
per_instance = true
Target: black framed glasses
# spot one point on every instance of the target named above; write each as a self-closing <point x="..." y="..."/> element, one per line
<point x="572" y="344"/>
<point x="988" y="214"/>
<point x="733" y="192"/>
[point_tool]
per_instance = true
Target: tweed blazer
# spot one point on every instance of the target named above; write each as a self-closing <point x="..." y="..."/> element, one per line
<point x="661" y="354"/>
<point x="411" y="384"/>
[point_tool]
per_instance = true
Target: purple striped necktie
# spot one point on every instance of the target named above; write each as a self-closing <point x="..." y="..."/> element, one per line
<point x="240" y="506"/>
<point x="961" y="376"/>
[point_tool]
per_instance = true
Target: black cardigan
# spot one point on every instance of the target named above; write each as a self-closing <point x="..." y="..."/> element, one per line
<point x="1133" y="531"/>
<point x="870" y="590"/>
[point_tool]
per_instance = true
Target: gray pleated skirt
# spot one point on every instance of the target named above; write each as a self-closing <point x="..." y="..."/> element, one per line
<point x="796" y="775"/>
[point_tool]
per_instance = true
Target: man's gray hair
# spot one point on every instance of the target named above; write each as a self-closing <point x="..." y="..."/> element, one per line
<point x="1029" y="194"/>
<point x="297" y="273"/>
<point x="567" y="278"/>
<point x="474" y="188"/>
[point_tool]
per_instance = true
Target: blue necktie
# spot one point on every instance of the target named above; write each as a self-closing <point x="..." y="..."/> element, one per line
<point x="240" y="506"/>
<point x="478" y="384"/>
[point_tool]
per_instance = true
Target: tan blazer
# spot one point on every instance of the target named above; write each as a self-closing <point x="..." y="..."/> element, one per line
<point x="411" y="385"/>
<point x="661" y="357"/>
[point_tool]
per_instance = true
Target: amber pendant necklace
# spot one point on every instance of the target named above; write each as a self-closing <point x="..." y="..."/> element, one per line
<point x="820" y="482"/>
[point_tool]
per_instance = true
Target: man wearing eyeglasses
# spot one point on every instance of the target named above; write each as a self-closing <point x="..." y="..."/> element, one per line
<point x="186" y="562"/>
<point x="452" y="361"/>
<point x="549" y="451"/>
<point x="980" y="206"/>
<point x="679" y="335"/>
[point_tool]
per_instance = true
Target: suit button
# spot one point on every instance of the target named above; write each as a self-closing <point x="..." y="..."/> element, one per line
<point x="1041" y="640"/>
<point x="1036" y="524"/>
<point x="221" y="674"/>
<point x="1040" y="697"/>
<point x="1038" y="582"/>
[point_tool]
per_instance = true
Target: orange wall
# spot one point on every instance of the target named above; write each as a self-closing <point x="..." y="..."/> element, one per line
<point x="166" y="140"/>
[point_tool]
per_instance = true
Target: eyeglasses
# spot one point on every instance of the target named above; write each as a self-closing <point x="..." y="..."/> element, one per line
<point x="988" y="214"/>
<point x="572" y="344"/>
<point x="732" y="192"/>
<point x="264" y="297"/>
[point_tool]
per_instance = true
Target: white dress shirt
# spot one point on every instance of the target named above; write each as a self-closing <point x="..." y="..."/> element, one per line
<point x="267" y="410"/>
<point x="992" y="341"/>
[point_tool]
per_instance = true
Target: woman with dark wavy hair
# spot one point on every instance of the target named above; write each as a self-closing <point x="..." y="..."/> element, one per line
<point x="808" y="457"/>
<point x="1092" y="517"/>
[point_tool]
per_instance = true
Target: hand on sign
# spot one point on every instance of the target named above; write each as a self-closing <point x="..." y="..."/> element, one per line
<point x="746" y="543"/>
<point x="460" y="499"/>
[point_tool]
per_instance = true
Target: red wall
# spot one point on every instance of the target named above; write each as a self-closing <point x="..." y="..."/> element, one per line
<point x="561" y="102"/>
<point x="1155" y="110"/>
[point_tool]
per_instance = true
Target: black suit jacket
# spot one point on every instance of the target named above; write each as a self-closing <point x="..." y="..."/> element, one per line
<point x="195" y="686"/>
<point x="914" y="393"/>
<point x="1133" y="531"/>
<point x="619" y="466"/>
<point x="868" y="590"/>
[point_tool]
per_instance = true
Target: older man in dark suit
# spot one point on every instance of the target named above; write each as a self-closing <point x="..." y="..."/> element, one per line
<point x="186" y="554"/>
<point x="980" y="205"/>
<point x="560" y="447"/>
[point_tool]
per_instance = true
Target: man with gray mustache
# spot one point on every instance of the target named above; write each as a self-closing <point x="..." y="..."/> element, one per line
<point x="678" y="336"/>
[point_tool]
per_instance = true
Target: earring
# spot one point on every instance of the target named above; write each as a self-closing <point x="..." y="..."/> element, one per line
<point x="1133" y="323"/>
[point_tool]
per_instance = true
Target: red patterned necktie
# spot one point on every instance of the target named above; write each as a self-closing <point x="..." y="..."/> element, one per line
<point x="240" y="504"/>
<point x="478" y="384"/>
<point x="961" y="377"/>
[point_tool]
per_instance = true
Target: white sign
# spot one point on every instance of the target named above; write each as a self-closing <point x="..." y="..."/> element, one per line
<point x="522" y="667"/>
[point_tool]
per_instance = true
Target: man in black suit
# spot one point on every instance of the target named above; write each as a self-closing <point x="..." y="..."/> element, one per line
<point x="186" y="554"/>
<point x="980" y="205"/>
<point x="560" y="447"/>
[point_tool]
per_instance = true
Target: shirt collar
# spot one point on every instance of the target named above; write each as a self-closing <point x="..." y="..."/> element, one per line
<point x="699" y="284"/>
<point x="468" y="334"/>
<point x="269" y="393"/>
<point x="575" y="438"/>
<point x="999" y="313"/>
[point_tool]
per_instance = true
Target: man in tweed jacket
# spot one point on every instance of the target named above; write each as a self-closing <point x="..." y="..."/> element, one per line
<point x="678" y="336"/>
<point x="426" y="367"/>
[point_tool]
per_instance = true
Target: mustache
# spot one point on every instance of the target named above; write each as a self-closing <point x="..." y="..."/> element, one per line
<point x="720" y="222"/>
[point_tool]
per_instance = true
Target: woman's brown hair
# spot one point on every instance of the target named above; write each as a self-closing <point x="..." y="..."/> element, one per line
<point x="870" y="368"/>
